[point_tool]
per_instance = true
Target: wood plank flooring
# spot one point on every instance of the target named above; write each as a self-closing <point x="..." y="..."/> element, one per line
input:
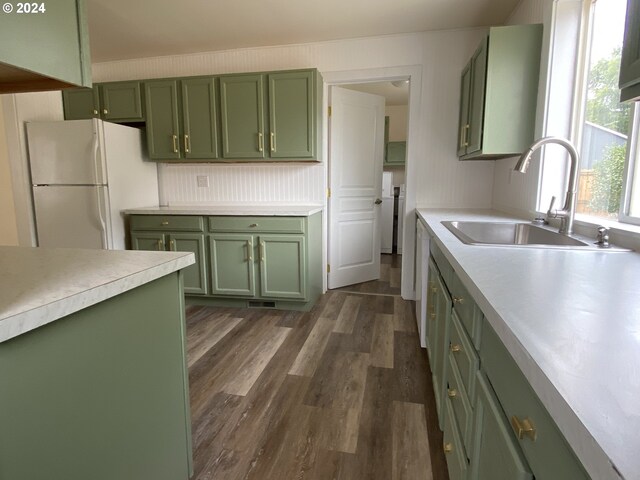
<point x="389" y="282"/>
<point x="341" y="392"/>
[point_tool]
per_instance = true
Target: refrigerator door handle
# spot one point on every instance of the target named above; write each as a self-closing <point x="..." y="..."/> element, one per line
<point x="103" y="224"/>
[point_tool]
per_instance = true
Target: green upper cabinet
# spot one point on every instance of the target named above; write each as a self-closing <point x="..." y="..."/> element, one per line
<point x="271" y="116"/>
<point x="81" y="103"/>
<point x="114" y="102"/>
<point x="292" y="114"/>
<point x="121" y="101"/>
<point x="630" y="63"/>
<point x="199" y="118"/>
<point x="44" y="46"/>
<point x="161" y="101"/>
<point x="242" y="109"/>
<point x="396" y="153"/>
<point x="182" y="119"/>
<point x="499" y="89"/>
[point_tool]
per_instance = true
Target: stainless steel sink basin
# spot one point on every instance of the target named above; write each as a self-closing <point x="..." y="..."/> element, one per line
<point x="516" y="235"/>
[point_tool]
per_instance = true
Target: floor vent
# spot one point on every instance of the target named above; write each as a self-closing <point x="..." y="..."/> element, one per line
<point x="257" y="304"/>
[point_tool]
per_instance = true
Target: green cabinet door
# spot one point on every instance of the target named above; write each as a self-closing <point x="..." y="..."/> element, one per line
<point x="441" y="346"/>
<point x="81" y="103"/>
<point x="199" y="118"/>
<point x="496" y="455"/>
<point x="477" y="89"/>
<point x="121" y="101"/>
<point x="242" y="116"/>
<point x="195" y="276"/>
<point x="148" y="241"/>
<point x="292" y="115"/>
<point x="630" y="63"/>
<point x="465" y="101"/>
<point x="282" y="266"/>
<point x="396" y="153"/>
<point x="161" y="101"/>
<point x="232" y="264"/>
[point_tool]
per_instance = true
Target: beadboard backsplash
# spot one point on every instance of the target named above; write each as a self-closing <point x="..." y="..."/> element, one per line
<point x="273" y="183"/>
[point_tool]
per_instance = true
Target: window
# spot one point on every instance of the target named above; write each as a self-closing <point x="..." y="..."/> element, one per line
<point x="608" y="146"/>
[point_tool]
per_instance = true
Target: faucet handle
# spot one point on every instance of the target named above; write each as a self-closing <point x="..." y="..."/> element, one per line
<point x="551" y="212"/>
<point x="602" y="240"/>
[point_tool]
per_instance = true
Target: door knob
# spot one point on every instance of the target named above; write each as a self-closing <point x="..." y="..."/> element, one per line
<point x="378" y="201"/>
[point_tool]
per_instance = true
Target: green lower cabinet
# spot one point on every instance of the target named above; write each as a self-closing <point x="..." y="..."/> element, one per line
<point x="195" y="276"/>
<point x="452" y="444"/>
<point x="232" y="265"/>
<point x="148" y="241"/>
<point x="496" y="455"/>
<point x="283" y="266"/>
<point x="440" y="347"/>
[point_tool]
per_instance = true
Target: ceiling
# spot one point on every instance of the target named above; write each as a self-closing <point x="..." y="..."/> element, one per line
<point x="124" y="29"/>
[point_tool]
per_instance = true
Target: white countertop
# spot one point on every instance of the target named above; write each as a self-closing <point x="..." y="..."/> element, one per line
<point x="571" y="321"/>
<point x="40" y="285"/>
<point x="237" y="209"/>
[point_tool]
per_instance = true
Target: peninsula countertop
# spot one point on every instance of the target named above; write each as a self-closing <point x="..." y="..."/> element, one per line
<point x="571" y="321"/>
<point x="237" y="209"/>
<point x="41" y="285"/>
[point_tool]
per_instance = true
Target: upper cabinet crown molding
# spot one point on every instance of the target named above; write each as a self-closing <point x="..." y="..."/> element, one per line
<point x="499" y="90"/>
<point x="57" y="57"/>
<point x="630" y="63"/>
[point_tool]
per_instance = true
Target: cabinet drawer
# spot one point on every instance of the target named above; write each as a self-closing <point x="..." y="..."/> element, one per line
<point x="453" y="449"/>
<point x="443" y="264"/>
<point x="459" y="402"/>
<point x="463" y="354"/>
<point x="257" y="224"/>
<point x="547" y="452"/>
<point x="178" y="223"/>
<point x="463" y="303"/>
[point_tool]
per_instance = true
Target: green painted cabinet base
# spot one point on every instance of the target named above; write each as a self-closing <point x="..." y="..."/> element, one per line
<point x="101" y="394"/>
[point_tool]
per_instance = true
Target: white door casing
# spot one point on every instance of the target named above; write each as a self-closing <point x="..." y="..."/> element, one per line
<point x="356" y="142"/>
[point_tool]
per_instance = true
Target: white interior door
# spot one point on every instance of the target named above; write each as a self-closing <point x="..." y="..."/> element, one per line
<point x="356" y="136"/>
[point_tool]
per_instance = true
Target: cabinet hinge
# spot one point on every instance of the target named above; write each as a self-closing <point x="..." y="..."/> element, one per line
<point x="328" y="268"/>
<point x="329" y="110"/>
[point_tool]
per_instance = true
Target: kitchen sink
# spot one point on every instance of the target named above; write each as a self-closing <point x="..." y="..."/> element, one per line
<point x="514" y="234"/>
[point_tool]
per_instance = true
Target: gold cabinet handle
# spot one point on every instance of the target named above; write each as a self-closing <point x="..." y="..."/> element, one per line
<point x="272" y="142"/>
<point x="187" y="143"/>
<point x="524" y="427"/>
<point x="459" y="300"/>
<point x="466" y="135"/>
<point x="172" y="245"/>
<point x="165" y="223"/>
<point x="249" y="251"/>
<point x="434" y="289"/>
<point x="452" y="393"/>
<point x="455" y="348"/>
<point x="432" y="316"/>
<point x="447" y="447"/>
<point x="175" y="143"/>
<point x="262" y="251"/>
<point x="462" y="131"/>
<point x="95" y="112"/>
<point x="105" y="111"/>
<point x="160" y="244"/>
<point x="260" y="142"/>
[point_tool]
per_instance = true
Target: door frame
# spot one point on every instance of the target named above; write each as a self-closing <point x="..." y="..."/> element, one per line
<point x="375" y="75"/>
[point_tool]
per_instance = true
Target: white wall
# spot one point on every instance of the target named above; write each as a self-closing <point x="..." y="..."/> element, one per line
<point x="442" y="180"/>
<point x="18" y="109"/>
<point x="8" y="226"/>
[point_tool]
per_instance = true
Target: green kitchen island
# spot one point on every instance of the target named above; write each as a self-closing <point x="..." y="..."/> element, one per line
<point x="93" y="378"/>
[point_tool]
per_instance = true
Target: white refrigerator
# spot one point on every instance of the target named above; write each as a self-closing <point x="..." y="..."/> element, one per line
<point x="84" y="173"/>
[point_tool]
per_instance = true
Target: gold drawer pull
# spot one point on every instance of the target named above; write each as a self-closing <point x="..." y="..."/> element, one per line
<point x="253" y="225"/>
<point x="447" y="447"/>
<point x="165" y="223"/>
<point x="455" y="348"/>
<point x="452" y="393"/>
<point x="524" y="427"/>
<point x="458" y="300"/>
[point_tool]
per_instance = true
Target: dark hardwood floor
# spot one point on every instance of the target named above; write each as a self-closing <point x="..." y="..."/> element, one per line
<point x="341" y="392"/>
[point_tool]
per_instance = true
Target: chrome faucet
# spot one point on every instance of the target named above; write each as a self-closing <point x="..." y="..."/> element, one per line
<point x="568" y="211"/>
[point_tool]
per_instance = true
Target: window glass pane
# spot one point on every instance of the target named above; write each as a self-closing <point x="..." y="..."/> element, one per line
<point x="607" y="121"/>
<point x="634" y="170"/>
